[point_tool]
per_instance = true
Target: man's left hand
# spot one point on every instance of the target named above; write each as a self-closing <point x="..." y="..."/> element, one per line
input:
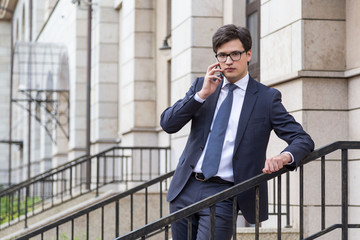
<point x="276" y="163"/>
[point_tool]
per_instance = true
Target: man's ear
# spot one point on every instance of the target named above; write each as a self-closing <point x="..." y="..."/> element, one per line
<point x="248" y="55"/>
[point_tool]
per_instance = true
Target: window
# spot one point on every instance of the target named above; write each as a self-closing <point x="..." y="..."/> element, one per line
<point x="253" y="24"/>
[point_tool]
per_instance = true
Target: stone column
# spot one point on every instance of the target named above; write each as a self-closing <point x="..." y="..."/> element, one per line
<point x="77" y="141"/>
<point x="193" y="24"/>
<point x="137" y="75"/>
<point x="353" y="72"/>
<point x="5" y="52"/>
<point x="303" y="55"/>
<point x="104" y="77"/>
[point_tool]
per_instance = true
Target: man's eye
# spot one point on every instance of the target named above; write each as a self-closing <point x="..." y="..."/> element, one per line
<point x="235" y="54"/>
<point x="221" y="55"/>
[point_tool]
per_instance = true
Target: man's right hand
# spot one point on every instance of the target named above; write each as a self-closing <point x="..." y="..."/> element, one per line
<point x="211" y="81"/>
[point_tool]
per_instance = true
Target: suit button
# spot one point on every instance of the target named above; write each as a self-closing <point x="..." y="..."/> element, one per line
<point x="192" y="166"/>
<point x="201" y="148"/>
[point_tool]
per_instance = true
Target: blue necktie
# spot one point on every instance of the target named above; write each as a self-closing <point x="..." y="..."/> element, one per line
<point x="214" y="148"/>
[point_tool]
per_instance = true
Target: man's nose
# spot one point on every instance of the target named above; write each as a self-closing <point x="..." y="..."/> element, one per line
<point x="228" y="59"/>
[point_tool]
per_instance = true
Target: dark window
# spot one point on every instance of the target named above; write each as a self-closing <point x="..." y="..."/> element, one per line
<point x="253" y="24"/>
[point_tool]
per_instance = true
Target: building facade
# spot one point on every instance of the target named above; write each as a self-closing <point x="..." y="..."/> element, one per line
<point x="143" y="57"/>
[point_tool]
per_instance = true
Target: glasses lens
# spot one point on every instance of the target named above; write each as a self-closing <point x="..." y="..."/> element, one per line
<point x="221" y="57"/>
<point x="235" y="56"/>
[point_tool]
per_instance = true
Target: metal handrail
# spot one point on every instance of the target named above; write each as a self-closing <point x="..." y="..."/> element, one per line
<point x="162" y="224"/>
<point x="68" y="180"/>
<point x="16" y="186"/>
<point x="100" y="205"/>
<point x="254" y="182"/>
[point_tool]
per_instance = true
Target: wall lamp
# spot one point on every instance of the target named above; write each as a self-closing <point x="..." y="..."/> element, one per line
<point x="165" y="45"/>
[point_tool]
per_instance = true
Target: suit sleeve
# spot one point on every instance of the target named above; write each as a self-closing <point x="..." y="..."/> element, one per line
<point x="299" y="142"/>
<point x="178" y="115"/>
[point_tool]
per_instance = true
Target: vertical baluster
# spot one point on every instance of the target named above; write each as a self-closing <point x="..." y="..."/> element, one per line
<point x="62" y="186"/>
<point x="71" y="181"/>
<point x="257" y="212"/>
<point x="322" y="192"/>
<point x="274" y="195"/>
<point x="132" y="212"/>
<point x="235" y="213"/>
<point x="301" y="196"/>
<point x="161" y="202"/>
<point x="11" y="206"/>
<point x="158" y="154"/>
<point x="150" y="165"/>
<point x="146" y="206"/>
<point x="72" y="229"/>
<point x="212" y="223"/>
<point x="113" y="165"/>
<point x="33" y="198"/>
<point x="18" y="208"/>
<point x="26" y="206"/>
<point x="102" y="223"/>
<point x="189" y="232"/>
<point x="141" y="165"/>
<point x="279" y="209"/>
<point x="87" y="226"/>
<point x="344" y="190"/>
<point x="105" y="170"/>
<point x="166" y="232"/>
<point x="97" y="174"/>
<point x="288" y="225"/>
<point x="117" y="213"/>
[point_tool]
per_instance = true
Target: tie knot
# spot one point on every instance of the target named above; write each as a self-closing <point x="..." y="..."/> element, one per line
<point x="231" y="87"/>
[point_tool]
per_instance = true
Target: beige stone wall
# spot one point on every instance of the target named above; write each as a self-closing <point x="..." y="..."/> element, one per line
<point x="5" y="42"/>
<point x="137" y="118"/>
<point x="314" y="66"/>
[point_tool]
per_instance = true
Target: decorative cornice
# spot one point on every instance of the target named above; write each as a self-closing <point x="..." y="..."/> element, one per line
<point x="350" y="73"/>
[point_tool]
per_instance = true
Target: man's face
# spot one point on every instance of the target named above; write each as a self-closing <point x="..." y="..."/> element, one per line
<point x="234" y="70"/>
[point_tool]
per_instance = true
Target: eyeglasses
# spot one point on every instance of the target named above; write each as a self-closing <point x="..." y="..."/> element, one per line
<point x="235" y="56"/>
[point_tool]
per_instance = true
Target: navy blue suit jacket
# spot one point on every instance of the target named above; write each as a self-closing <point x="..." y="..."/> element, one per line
<point x="261" y="113"/>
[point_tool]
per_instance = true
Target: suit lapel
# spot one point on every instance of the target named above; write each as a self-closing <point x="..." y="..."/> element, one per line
<point x="248" y="105"/>
<point x="211" y="102"/>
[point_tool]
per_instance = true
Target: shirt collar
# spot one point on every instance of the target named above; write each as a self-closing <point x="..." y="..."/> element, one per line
<point x="242" y="83"/>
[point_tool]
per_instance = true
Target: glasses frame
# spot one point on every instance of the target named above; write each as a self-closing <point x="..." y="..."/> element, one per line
<point x="229" y="55"/>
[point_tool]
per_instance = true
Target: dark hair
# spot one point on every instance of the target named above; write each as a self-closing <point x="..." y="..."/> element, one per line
<point x="230" y="32"/>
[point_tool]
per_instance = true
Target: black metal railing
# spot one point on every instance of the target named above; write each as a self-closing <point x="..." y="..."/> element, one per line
<point x="112" y="209"/>
<point x="117" y="165"/>
<point x="164" y="223"/>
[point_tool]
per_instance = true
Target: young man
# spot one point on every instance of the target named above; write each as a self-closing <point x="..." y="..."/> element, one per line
<point x="227" y="143"/>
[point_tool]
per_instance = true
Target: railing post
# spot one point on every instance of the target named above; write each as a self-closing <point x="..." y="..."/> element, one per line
<point x="235" y="213"/>
<point x="344" y="190"/>
<point x="26" y="205"/>
<point x="279" y="209"/>
<point x="323" y="192"/>
<point x="288" y="200"/>
<point x="257" y="212"/>
<point x="301" y="207"/>
<point x="97" y="175"/>
<point x="212" y="223"/>
<point x="189" y="235"/>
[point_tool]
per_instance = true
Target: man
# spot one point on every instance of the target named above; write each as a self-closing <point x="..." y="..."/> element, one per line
<point x="227" y="143"/>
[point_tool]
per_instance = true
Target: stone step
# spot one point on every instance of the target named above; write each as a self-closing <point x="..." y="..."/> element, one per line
<point x="248" y="233"/>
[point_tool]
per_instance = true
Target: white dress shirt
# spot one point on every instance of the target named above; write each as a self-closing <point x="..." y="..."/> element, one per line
<point x="226" y="168"/>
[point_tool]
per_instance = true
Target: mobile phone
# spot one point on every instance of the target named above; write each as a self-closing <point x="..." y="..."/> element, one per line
<point x="220" y="75"/>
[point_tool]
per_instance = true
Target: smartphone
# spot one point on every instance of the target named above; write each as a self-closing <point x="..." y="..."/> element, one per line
<point x="220" y="75"/>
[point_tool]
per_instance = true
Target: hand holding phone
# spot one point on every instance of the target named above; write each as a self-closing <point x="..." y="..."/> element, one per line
<point x="212" y="79"/>
<point x="219" y="73"/>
